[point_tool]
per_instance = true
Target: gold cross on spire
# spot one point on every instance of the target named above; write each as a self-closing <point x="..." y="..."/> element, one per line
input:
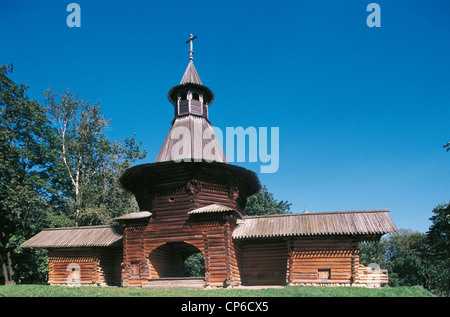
<point x="191" y="51"/>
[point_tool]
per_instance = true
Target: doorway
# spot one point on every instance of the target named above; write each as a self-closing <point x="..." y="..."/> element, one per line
<point x="177" y="259"/>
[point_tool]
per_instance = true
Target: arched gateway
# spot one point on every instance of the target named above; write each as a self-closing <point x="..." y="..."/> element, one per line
<point x="168" y="260"/>
<point x="180" y="218"/>
<point x="191" y="200"/>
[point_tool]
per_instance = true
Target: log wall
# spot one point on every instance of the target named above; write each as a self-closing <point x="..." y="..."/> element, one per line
<point x="85" y="266"/>
<point x="263" y="262"/>
<point x="372" y="276"/>
<point x="160" y="246"/>
<point x="324" y="261"/>
<point x="298" y="261"/>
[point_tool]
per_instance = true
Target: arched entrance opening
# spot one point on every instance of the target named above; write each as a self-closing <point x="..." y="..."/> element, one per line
<point x="177" y="259"/>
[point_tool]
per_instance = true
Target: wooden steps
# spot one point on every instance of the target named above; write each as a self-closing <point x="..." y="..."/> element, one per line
<point x="175" y="282"/>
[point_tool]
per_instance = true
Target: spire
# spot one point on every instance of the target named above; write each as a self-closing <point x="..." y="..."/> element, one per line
<point x="191" y="100"/>
<point x="191" y="85"/>
<point x="191" y="75"/>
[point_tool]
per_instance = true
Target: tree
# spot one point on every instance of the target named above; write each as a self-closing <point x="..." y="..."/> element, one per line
<point x="25" y="138"/>
<point x="194" y="265"/>
<point x="439" y="241"/>
<point x="57" y="168"/>
<point x="414" y="258"/>
<point x="411" y="260"/>
<point x="439" y="231"/>
<point x="447" y="145"/>
<point x="89" y="164"/>
<point x="373" y="252"/>
<point x="263" y="203"/>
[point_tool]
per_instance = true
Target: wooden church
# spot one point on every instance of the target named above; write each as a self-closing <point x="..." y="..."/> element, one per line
<point x="191" y="200"/>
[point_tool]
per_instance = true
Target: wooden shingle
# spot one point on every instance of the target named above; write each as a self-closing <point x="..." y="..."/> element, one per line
<point x="92" y="236"/>
<point x="364" y="222"/>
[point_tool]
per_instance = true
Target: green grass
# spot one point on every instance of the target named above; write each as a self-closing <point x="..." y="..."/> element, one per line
<point x="289" y="291"/>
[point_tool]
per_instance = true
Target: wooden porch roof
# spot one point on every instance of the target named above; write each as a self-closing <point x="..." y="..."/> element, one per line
<point x="73" y="237"/>
<point x="365" y="222"/>
<point x="134" y="215"/>
<point x="214" y="208"/>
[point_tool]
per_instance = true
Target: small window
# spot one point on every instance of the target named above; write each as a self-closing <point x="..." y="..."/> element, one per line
<point x="183" y="95"/>
<point x="325" y="274"/>
<point x="195" y="96"/>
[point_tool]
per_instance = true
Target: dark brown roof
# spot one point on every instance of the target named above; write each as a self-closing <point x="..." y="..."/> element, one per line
<point x="93" y="236"/>
<point x="151" y="175"/>
<point x="365" y="222"/>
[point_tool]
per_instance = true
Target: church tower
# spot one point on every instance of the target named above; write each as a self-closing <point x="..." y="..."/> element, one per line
<point x="191" y="136"/>
<point x="190" y="198"/>
<point x="191" y="96"/>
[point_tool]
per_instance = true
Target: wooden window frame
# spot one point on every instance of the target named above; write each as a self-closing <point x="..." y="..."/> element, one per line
<point x="324" y="274"/>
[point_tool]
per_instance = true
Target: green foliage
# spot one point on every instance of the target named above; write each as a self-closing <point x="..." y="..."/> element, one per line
<point x="439" y="232"/>
<point x="25" y="139"/>
<point x="263" y="203"/>
<point x="405" y="255"/>
<point x="194" y="265"/>
<point x="373" y="252"/>
<point x="88" y="164"/>
<point x="410" y="260"/>
<point x="439" y="242"/>
<point x="57" y="169"/>
<point x="289" y="291"/>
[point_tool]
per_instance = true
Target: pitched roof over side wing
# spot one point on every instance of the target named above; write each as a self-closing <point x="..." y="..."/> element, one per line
<point x="365" y="222"/>
<point x="93" y="236"/>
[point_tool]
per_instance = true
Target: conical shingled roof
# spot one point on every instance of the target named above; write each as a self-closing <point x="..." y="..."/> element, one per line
<point x="191" y="75"/>
<point x="190" y="79"/>
<point x="186" y="140"/>
<point x="193" y="145"/>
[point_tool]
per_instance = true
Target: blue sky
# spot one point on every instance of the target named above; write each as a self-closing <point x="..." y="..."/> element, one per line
<point x="363" y="112"/>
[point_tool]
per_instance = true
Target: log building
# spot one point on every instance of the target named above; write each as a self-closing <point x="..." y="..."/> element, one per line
<point x="191" y="200"/>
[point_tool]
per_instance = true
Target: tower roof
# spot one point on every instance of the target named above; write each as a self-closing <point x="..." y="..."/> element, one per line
<point x="186" y="141"/>
<point x="191" y="80"/>
<point x="191" y="75"/>
<point x="191" y="136"/>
